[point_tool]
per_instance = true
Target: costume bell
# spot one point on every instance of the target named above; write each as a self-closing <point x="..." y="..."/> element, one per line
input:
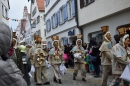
<point x="56" y="58"/>
<point x="79" y="61"/>
<point x="120" y="60"/>
<point x="106" y="57"/>
<point x="40" y="63"/>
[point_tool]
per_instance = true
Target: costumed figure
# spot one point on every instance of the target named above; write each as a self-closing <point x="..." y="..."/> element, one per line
<point x="121" y="58"/>
<point x="79" y="56"/>
<point x="56" y="59"/>
<point x="40" y="63"/>
<point x="32" y="54"/>
<point x="106" y="56"/>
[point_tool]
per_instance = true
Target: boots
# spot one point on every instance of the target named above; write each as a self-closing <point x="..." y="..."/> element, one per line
<point x="74" y="76"/>
<point x="54" y="79"/>
<point x="83" y="79"/>
<point x="60" y="81"/>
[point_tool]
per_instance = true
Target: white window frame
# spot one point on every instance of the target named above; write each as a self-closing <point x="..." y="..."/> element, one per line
<point x="69" y="7"/>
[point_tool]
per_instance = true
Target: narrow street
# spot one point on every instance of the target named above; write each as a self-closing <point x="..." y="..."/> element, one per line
<point x="67" y="79"/>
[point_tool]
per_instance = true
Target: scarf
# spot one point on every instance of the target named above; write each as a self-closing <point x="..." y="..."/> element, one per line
<point x="10" y="52"/>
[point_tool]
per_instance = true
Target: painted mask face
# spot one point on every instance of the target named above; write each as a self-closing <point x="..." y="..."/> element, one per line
<point x="55" y="44"/>
<point x="108" y="36"/>
<point x="79" y="42"/>
<point x="127" y="42"/>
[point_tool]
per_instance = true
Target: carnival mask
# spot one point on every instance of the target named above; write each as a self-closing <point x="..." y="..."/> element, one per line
<point x="79" y="42"/>
<point x="55" y="44"/>
<point x="108" y="36"/>
<point x="127" y="42"/>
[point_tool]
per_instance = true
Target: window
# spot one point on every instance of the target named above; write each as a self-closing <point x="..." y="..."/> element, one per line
<point x="33" y="1"/>
<point x="61" y="16"/>
<point x="84" y="3"/>
<point x="34" y="11"/>
<point x="38" y="19"/>
<point x="6" y="13"/>
<point x="2" y="10"/>
<point x="39" y="32"/>
<point x="44" y="17"/>
<point x="33" y="24"/>
<point x="54" y="20"/>
<point x="47" y="2"/>
<point x="48" y="25"/>
<point x="45" y="32"/>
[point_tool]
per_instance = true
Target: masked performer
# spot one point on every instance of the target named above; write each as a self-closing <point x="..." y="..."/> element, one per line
<point x="40" y="63"/>
<point x="55" y="58"/>
<point x="79" y="55"/>
<point x="106" y="57"/>
<point x="120" y="60"/>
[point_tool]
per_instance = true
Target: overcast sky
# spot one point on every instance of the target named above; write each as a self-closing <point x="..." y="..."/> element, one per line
<point x="16" y="11"/>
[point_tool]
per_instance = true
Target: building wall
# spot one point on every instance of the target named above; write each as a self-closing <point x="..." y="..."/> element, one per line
<point x="28" y="31"/>
<point x="33" y="5"/>
<point x="40" y="26"/>
<point x="50" y="4"/>
<point x="6" y="6"/>
<point x="99" y="9"/>
<point x="112" y="21"/>
<point x="68" y="24"/>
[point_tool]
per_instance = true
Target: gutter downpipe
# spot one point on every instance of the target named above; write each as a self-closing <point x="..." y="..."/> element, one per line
<point x="76" y="18"/>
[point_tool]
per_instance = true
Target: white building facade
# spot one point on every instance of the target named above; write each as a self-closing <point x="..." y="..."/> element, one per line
<point x="38" y="23"/>
<point x="60" y="21"/>
<point x="93" y="14"/>
<point x="4" y="11"/>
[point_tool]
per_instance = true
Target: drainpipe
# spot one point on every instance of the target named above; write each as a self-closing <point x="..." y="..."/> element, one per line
<point x="76" y="18"/>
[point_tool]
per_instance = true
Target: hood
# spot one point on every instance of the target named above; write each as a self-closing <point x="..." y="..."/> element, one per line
<point x="121" y="42"/>
<point x="5" y="38"/>
<point x="105" y="38"/>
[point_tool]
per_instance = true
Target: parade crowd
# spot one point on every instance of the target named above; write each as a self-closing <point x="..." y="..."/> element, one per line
<point x="18" y="60"/>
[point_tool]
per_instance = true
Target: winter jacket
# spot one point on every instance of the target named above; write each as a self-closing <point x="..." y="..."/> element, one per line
<point x="10" y="75"/>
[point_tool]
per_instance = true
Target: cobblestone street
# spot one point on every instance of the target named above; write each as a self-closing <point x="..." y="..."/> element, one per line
<point x="67" y="79"/>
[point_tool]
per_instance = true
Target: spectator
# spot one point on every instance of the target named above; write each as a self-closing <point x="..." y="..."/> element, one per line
<point x="8" y="69"/>
<point x="85" y="46"/>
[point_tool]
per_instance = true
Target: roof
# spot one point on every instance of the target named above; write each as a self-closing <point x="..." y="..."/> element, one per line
<point x="40" y="4"/>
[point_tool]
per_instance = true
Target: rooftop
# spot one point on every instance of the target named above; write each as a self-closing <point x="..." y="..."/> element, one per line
<point x="40" y="4"/>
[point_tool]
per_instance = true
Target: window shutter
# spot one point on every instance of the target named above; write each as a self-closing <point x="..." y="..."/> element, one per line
<point x="73" y="7"/>
<point x="56" y="19"/>
<point x="52" y="22"/>
<point x="49" y="25"/>
<point x="87" y="2"/>
<point x="63" y="12"/>
<point x="46" y="27"/>
<point x="81" y="3"/>
<point x="58" y="14"/>
<point x="66" y="12"/>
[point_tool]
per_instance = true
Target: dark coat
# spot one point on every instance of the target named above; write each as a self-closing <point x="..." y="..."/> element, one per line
<point x="18" y="59"/>
<point x="27" y="69"/>
<point x="95" y="52"/>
